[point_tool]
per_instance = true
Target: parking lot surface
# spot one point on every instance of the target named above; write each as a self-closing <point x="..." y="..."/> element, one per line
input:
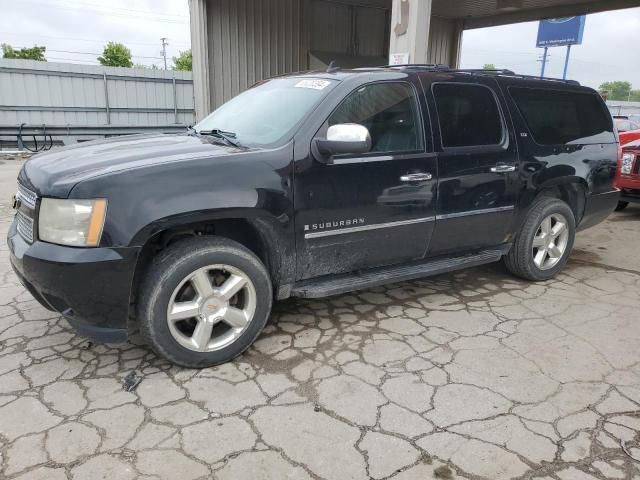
<point x="472" y="375"/>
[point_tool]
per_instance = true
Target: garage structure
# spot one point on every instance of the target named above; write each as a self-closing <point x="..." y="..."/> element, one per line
<point x="236" y="43"/>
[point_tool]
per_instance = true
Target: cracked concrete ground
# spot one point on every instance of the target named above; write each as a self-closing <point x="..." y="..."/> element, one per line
<point x="469" y="375"/>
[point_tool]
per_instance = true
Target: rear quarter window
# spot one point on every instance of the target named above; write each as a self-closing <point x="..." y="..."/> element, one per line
<point x="556" y="117"/>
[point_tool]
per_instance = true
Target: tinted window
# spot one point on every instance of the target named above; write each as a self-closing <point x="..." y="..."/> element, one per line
<point x="556" y="117"/>
<point x="468" y="115"/>
<point x="269" y="112"/>
<point x="389" y="111"/>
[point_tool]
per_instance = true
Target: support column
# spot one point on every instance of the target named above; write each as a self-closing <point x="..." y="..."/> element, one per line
<point x="410" y="25"/>
<point x="199" y="50"/>
<point x="456" y="45"/>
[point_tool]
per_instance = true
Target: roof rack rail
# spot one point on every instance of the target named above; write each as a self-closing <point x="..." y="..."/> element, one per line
<point x="478" y="71"/>
<point x="511" y="73"/>
<point x="425" y="66"/>
<point x="503" y="71"/>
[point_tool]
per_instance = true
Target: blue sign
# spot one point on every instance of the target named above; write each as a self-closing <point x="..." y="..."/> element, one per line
<point x="555" y="32"/>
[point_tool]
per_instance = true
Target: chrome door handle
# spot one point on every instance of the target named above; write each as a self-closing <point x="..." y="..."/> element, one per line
<point x="503" y="169"/>
<point x="416" y="177"/>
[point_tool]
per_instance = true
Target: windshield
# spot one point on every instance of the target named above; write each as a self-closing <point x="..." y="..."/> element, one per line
<point x="269" y="112"/>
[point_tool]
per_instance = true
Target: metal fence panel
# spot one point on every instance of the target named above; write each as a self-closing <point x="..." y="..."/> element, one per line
<point x="60" y="94"/>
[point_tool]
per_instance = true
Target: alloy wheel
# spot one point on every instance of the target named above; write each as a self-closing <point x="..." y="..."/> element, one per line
<point x="211" y="308"/>
<point x="550" y="241"/>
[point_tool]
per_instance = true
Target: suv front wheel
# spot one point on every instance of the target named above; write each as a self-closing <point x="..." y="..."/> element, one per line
<point x="544" y="243"/>
<point x="204" y="301"/>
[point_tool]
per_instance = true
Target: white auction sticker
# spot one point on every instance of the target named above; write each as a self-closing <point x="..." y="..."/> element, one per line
<point x="313" y="83"/>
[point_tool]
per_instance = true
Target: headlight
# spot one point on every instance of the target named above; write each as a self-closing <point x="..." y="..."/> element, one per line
<point x="77" y="223"/>
<point x="627" y="163"/>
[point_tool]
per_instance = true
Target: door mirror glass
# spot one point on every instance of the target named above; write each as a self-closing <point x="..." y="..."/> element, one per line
<point x="345" y="138"/>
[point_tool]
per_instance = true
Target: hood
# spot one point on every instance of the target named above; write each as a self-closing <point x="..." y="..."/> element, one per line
<point x="56" y="172"/>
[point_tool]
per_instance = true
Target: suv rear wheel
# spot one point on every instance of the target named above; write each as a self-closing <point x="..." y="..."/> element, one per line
<point x="204" y="301"/>
<point x="543" y="245"/>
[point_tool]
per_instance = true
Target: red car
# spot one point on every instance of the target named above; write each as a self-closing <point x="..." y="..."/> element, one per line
<point x="628" y="178"/>
<point x="628" y="130"/>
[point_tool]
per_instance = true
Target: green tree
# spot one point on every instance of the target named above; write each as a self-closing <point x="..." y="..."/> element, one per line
<point x="617" y="90"/>
<point x="635" y="96"/>
<point x="183" y="61"/>
<point x="33" y="53"/>
<point x="116" y="55"/>
<point x="489" y="66"/>
<point x="147" y="67"/>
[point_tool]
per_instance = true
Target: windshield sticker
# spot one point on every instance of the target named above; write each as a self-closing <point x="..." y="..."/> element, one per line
<point x="313" y="83"/>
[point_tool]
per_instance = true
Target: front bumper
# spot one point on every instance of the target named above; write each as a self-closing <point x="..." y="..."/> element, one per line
<point x="598" y="207"/>
<point x="630" y="188"/>
<point x="629" y="195"/>
<point x="90" y="287"/>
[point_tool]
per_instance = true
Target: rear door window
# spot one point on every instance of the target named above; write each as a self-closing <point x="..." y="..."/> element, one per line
<point x="468" y="115"/>
<point x="556" y="117"/>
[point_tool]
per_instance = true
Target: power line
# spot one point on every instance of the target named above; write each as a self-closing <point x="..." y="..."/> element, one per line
<point x="72" y="60"/>
<point x="90" y="53"/>
<point x="537" y="54"/>
<point x="101" y="41"/>
<point x="146" y="17"/>
<point x="101" y="6"/>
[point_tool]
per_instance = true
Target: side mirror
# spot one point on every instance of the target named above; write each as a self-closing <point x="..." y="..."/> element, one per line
<point x="344" y="138"/>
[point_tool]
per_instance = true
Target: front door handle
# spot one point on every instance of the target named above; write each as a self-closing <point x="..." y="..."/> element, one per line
<point x="416" y="177"/>
<point x="503" y="168"/>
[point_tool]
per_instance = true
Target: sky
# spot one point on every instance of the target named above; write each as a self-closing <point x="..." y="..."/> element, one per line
<point x="76" y="31"/>
<point x="609" y="50"/>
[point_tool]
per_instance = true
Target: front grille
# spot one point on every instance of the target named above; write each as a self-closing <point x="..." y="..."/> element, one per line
<point x="25" y="226"/>
<point x="26" y="212"/>
<point x="27" y="197"/>
<point x="636" y="166"/>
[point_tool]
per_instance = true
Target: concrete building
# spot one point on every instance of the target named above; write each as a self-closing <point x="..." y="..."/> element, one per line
<point x="236" y="43"/>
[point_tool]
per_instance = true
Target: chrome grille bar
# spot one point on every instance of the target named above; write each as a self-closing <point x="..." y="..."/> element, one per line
<point x="26" y="196"/>
<point x="26" y="212"/>
<point x="25" y="226"/>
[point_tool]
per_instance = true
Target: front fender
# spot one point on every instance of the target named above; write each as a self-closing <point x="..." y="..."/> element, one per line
<point x="145" y="201"/>
<point x="274" y="234"/>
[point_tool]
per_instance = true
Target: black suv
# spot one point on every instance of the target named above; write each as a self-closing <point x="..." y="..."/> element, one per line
<point x="311" y="185"/>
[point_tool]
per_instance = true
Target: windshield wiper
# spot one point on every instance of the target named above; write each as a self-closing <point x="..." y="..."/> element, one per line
<point x="228" y="137"/>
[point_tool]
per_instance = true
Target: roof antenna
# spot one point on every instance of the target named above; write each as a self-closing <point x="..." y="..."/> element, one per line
<point x="332" y="67"/>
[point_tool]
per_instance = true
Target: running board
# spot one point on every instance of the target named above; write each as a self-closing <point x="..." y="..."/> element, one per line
<point x="336" y="284"/>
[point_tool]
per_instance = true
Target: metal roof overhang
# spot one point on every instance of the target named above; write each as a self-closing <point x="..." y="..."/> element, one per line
<point x="489" y="13"/>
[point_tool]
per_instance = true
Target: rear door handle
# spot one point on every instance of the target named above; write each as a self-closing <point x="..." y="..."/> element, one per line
<point x="503" y="168"/>
<point x="416" y="177"/>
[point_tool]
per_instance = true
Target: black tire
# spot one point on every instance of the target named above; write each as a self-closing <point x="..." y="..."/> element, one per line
<point x="166" y="273"/>
<point x="520" y="259"/>
<point x="621" y="206"/>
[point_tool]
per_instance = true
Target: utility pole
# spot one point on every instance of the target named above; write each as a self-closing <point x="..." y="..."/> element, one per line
<point x="566" y="62"/>
<point x="545" y="58"/>
<point x="163" y="52"/>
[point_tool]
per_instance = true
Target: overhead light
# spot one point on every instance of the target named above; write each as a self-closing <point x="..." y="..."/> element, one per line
<point x="509" y="5"/>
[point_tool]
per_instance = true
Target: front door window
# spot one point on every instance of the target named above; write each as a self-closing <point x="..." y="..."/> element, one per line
<point x="389" y="111"/>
